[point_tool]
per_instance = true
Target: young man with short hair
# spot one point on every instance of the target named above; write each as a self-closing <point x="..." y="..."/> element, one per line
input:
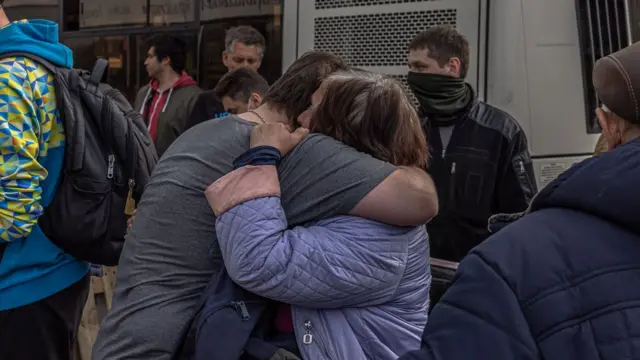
<point x="480" y="161"/>
<point x="239" y="90"/>
<point x="244" y="48"/>
<point x="171" y="251"/>
<point x="43" y="290"/>
<point x="166" y="102"/>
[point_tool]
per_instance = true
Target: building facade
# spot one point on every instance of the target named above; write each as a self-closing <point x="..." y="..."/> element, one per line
<point x="118" y="29"/>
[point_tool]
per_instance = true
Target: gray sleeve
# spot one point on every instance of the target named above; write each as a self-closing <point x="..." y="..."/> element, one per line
<point x="322" y="178"/>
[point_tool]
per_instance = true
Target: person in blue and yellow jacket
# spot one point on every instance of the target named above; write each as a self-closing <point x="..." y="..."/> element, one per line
<point x="42" y="289"/>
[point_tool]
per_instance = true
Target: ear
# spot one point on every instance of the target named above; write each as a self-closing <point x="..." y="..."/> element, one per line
<point x="454" y="67"/>
<point x="256" y="99"/>
<point x="610" y="128"/>
<point x="166" y="61"/>
<point x="225" y="58"/>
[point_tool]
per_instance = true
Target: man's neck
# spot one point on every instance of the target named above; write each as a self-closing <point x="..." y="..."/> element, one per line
<point x="4" y="20"/>
<point x="265" y="114"/>
<point x="167" y="79"/>
<point x="632" y="134"/>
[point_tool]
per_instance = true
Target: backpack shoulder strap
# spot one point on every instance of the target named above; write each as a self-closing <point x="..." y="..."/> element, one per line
<point x="99" y="73"/>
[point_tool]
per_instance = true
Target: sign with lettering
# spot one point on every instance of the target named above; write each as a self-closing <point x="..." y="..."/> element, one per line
<point x="220" y="9"/>
<point x="96" y="13"/>
<point x="170" y="11"/>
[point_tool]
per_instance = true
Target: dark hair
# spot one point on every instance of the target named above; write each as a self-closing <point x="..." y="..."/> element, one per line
<point x="240" y="84"/>
<point x="1" y="2"/>
<point x="373" y="114"/>
<point x="244" y="34"/>
<point x="168" y="46"/>
<point x="444" y="42"/>
<point x="292" y="92"/>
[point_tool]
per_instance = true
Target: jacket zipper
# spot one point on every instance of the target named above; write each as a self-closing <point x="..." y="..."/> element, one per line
<point x="452" y="183"/>
<point x="153" y="111"/>
<point x="307" y="339"/>
<point x="241" y="309"/>
<point x="112" y="161"/>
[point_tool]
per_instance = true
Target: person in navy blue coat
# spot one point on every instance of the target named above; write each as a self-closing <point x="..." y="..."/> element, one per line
<point x="563" y="281"/>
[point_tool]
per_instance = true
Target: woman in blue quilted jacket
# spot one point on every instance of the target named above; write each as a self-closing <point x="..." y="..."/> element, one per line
<point x="354" y="288"/>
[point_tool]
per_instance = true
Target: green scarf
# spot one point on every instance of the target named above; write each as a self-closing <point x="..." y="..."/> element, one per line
<point x="442" y="98"/>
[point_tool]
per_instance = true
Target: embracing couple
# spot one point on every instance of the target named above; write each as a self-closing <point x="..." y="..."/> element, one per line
<point x="334" y="230"/>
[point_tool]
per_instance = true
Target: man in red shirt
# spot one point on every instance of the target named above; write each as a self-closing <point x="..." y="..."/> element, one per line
<point x="167" y="100"/>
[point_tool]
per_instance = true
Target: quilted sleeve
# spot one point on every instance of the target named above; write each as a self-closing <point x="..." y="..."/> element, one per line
<point x="23" y="137"/>
<point x="479" y="317"/>
<point x="346" y="261"/>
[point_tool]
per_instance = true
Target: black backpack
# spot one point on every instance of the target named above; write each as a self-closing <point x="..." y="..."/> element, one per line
<point x="248" y="321"/>
<point x="108" y="160"/>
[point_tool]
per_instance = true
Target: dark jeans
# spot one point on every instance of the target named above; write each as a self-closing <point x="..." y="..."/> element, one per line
<point x="44" y="330"/>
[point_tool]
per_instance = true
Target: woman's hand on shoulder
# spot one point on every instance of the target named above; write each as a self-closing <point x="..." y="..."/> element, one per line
<point x="277" y="135"/>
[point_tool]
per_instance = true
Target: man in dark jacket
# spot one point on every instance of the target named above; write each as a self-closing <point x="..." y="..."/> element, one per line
<point x="167" y="100"/>
<point x="244" y="48"/>
<point x="562" y="282"/>
<point x="481" y="164"/>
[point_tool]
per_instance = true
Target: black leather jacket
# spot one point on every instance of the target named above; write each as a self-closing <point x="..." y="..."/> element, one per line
<point x="486" y="169"/>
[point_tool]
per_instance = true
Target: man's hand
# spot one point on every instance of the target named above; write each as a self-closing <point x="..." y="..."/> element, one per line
<point x="277" y="135"/>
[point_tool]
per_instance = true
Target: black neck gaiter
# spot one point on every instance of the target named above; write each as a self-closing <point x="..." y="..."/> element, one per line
<point x="442" y="98"/>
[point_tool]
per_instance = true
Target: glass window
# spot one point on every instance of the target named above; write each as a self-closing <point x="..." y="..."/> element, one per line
<point x="117" y="50"/>
<point x="32" y="9"/>
<point x="126" y="55"/>
<point x="602" y="30"/>
<point x="218" y="16"/>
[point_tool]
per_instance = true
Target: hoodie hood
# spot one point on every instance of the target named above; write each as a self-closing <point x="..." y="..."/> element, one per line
<point x="605" y="186"/>
<point x="37" y="37"/>
<point x="184" y="81"/>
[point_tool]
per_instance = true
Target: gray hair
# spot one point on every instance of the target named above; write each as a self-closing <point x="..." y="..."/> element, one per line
<point x="246" y="35"/>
